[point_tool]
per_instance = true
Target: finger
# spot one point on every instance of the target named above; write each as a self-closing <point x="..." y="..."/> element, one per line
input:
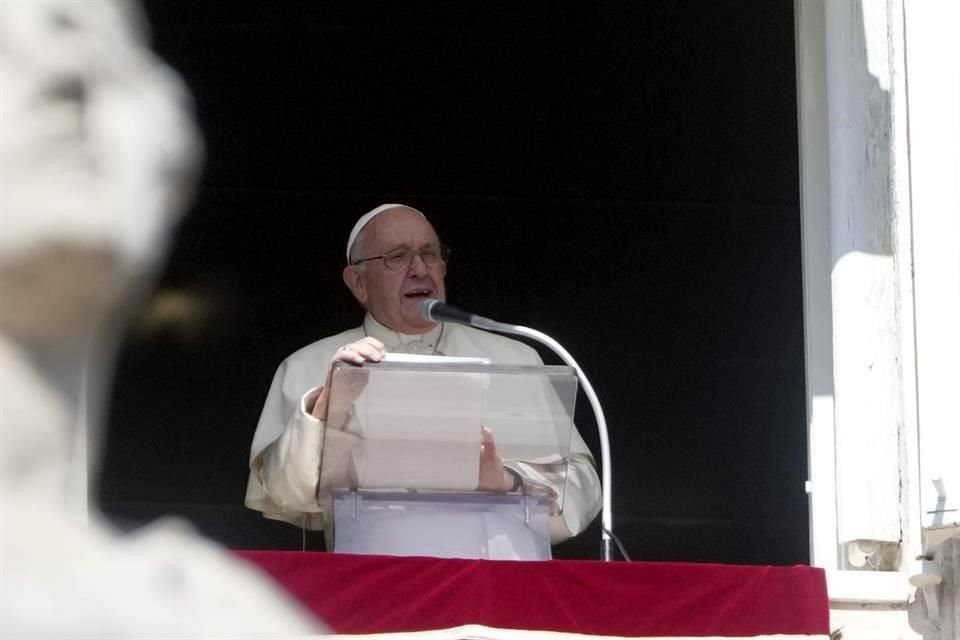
<point x="373" y="342"/>
<point x="347" y="353"/>
<point x="367" y="350"/>
<point x="488" y="449"/>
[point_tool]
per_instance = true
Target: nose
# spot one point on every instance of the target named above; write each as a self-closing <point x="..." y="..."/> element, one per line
<point x="417" y="265"/>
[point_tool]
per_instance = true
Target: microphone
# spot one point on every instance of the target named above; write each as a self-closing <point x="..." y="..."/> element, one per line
<point x="433" y="310"/>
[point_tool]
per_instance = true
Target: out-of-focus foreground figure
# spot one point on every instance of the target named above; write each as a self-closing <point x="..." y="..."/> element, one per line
<point x="97" y="154"/>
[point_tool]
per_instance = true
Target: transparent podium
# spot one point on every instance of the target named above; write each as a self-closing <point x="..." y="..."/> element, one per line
<point x="407" y="443"/>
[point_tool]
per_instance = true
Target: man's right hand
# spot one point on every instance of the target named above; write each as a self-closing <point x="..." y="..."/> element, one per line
<point x="363" y="350"/>
<point x="366" y="349"/>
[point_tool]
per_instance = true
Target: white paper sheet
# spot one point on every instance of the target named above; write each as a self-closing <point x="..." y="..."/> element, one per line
<point x="421" y="429"/>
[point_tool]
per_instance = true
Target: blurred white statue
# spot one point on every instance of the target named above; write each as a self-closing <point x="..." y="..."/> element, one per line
<point x="97" y="155"/>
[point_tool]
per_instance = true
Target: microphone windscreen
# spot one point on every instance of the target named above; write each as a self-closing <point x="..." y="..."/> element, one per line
<point x="425" y="307"/>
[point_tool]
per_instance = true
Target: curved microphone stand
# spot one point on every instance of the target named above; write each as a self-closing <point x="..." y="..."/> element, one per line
<point x="606" y="513"/>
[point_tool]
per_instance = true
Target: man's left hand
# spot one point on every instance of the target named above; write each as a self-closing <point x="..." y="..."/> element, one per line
<point x="493" y="475"/>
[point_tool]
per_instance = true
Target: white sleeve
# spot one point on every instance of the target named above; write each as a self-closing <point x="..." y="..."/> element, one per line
<point x="290" y="477"/>
<point x="284" y="475"/>
<point x="288" y="469"/>
<point x="582" y="498"/>
<point x="575" y="478"/>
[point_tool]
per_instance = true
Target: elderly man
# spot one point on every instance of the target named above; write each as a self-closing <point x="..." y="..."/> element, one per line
<point x="395" y="260"/>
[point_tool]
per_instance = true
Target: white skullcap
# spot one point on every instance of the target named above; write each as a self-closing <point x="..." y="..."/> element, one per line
<point x="367" y="217"/>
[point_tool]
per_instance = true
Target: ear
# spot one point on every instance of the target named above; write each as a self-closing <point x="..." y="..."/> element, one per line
<point x="353" y="277"/>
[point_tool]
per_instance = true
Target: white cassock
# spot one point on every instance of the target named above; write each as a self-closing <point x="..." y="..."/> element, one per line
<point x="285" y="459"/>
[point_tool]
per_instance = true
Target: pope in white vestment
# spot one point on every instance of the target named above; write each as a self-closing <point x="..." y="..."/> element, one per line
<point x="407" y="264"/>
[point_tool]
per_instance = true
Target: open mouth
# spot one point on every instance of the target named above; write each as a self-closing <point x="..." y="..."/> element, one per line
<point x="419" y="294"/>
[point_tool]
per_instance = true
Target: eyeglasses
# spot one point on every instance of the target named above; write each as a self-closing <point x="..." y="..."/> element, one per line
<point x="401" y="258"/>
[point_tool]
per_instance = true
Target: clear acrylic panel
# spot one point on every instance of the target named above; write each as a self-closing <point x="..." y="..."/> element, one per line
<point x="419" y="425"/>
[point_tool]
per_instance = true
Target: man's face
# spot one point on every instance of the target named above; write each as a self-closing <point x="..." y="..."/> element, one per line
<point x="392" y="296"/>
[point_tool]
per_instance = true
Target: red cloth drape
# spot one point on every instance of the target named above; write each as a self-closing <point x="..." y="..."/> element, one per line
<point x="378" y="594"/>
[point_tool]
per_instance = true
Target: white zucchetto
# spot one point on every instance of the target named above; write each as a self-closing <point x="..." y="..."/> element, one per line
<point x="370" y="215"/>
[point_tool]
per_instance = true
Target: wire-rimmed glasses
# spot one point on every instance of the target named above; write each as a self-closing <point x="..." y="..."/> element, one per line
<point x="402" y="257"/>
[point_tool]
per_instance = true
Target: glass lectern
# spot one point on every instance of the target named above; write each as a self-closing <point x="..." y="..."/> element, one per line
<point x="402" y="457"/>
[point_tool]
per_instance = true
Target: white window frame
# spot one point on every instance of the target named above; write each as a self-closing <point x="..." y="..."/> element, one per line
<point x="929" y="117"/>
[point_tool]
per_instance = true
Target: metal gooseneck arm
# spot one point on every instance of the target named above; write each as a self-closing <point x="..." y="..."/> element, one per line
<point x="606" y="513"/>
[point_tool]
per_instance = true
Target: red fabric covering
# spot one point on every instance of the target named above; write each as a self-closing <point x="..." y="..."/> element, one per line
<point x="378" y="594"/>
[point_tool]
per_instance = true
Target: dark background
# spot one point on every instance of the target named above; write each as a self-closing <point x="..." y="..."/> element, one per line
<point x="621" y="175"/>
